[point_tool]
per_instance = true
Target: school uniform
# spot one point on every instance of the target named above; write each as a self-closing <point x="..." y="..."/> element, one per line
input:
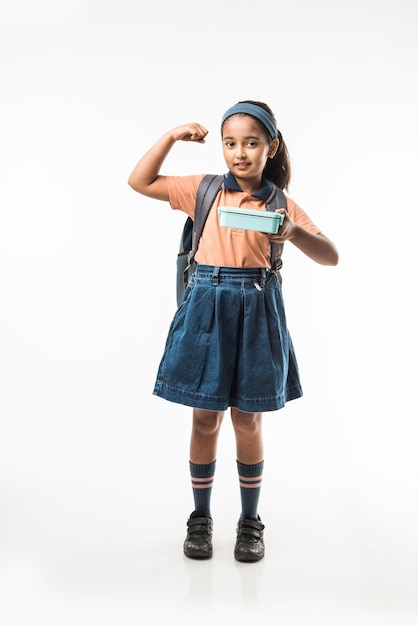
<point x="228" y="344"/>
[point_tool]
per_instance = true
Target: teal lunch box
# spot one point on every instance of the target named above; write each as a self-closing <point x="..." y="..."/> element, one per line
<point x="250" y="219"/>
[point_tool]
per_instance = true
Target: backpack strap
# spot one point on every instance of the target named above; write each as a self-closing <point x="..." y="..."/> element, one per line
<point x="278" y="201"/>
<point x="206" y="194"/>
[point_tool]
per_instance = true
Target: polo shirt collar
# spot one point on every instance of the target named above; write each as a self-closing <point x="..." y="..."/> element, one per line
<point x="264" y="192"/>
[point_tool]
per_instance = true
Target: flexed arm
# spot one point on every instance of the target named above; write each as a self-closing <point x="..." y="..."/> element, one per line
<point x="145" y="177"/>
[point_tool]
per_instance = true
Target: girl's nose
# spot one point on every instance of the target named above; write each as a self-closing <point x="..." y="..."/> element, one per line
<point x="241" y="153"/>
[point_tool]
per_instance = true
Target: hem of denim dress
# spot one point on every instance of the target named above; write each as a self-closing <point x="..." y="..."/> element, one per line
<point x="293" y="393"/>
<point x="214" y="403"/>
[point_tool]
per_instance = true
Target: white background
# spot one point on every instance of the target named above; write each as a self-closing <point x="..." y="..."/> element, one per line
<point x="92" y="466"/>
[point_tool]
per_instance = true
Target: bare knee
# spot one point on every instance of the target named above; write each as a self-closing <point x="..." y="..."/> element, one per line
<point x="248" y="436"/>
<point x="248" y="423"/>
<point x="207" y="422"/>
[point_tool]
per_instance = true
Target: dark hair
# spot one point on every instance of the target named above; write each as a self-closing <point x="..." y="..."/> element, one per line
<point x="277" y="169"/>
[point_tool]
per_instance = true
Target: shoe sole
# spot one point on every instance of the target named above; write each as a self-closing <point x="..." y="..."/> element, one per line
<point x="248" y="559"/>
<point x="198" y="556"/>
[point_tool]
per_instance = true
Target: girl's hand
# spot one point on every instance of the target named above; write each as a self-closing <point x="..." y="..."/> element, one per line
<point x="316" y="246"/>
<point x="190" y="132"/>
<point x="286" y="229"/>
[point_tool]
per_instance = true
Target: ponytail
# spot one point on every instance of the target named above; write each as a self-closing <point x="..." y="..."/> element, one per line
<point x="277" y="169"/>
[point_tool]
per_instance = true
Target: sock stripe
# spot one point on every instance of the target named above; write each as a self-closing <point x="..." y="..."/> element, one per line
<point x="250" y="482"/>
<point x="202" y="483"/>
<point x="250" y="477"/>
<point x="202" y="476"/>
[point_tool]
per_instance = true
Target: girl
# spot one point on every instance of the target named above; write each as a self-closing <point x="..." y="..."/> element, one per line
<point x="228" y="345"/>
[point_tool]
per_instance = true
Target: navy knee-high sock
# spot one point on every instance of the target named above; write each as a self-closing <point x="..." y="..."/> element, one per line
<point x="250" y="477"/>
<point x="202" y="481"/>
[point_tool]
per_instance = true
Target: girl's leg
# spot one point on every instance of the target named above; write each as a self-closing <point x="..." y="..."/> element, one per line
<point x="203" y="446"/>
<point x="205" y="432"/>
<point x="248" y="436"/>
<point x="249" y="446"/>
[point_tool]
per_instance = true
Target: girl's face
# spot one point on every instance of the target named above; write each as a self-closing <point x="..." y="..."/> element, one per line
<point x="246" y="150"/>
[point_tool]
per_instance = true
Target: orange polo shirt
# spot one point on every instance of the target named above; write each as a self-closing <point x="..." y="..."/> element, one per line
<point x="229" y="247"/>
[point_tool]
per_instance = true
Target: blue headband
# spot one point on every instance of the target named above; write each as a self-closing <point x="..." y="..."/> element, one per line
<point x="255" y="111"/>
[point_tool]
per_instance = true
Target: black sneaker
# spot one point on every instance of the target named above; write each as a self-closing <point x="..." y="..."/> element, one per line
<point x="249" y="545"/>
<point x="198" y="542"/>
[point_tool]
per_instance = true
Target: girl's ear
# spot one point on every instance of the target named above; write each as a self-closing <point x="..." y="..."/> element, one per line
<point x="273" y="148"/>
